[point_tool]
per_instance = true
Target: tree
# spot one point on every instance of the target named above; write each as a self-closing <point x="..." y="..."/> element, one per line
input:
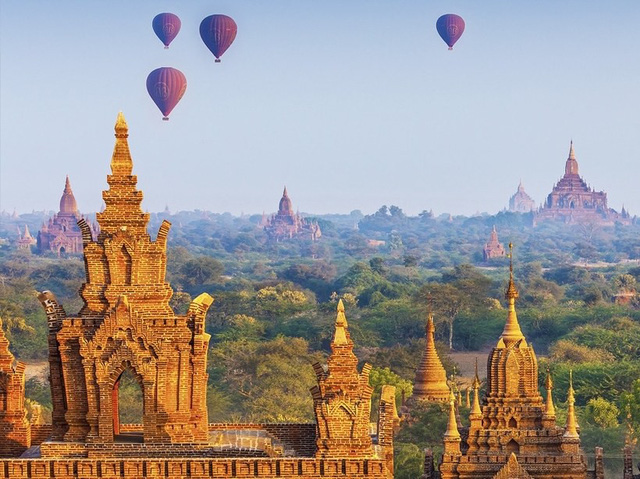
<point x="202" y="270"/>
<point x="447" y="302"/>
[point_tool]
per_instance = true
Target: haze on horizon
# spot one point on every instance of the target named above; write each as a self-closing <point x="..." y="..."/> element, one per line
<point x="351" y="105"/>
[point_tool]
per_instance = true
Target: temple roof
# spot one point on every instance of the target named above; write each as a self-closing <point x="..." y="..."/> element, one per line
<point x="431" y="378"/>
<point x="68" y="202"/>
<point x="285" y="207"/>
<point x="571" y="166"/>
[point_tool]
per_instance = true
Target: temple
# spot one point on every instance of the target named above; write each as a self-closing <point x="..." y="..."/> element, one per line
<point x="514" y="432"/>
<point x="61" y="234"/>
<point x="521" y="202"/>
<point x="25" y="241"/>
<point x="286" y="224"/>
<point x="572" y="201"/>
<point x="493" y="248"/>
<point x="431" y="378"/>
<point x="127" y="325"/>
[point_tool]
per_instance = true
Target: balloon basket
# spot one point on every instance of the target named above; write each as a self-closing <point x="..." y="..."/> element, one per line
<point x="166" y="47"/>
<point x="165" y="118"/>
<point x="450" y="48"/>
<point x="218" y="60"/>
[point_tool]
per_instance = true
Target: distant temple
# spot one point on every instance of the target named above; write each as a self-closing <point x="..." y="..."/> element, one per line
<point x="521" y="202"/>
<point x="572" y="201"/>
<point x="61" y="234"/>
<point x="493" y="249"/>
<point x="513" y="431"/>
<point x="286" y="224"/>
<point x="25" y="241"/>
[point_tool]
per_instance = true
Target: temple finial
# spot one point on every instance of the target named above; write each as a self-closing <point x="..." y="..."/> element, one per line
<point x="572" y="153"/>
<point x="511" y="332"/>
<point x="475" y="410"/>
<point x="122" y="129"/>
<point x="550" y="410"/>
<point x="571" y="429"/>
<point x="340" y="334"/>
<point x="452" y="425"/>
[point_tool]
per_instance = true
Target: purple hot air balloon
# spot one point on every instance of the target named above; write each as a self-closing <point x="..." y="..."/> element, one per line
<point x="218" y="33"/>
<point x="166" y="86"/>
<point x="166" y="26"/>
<point x="450" y="27"/>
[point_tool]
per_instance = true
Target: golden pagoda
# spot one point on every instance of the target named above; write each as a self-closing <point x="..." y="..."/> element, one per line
<point x="513" y="429"/>
<point x="431" y="378"/>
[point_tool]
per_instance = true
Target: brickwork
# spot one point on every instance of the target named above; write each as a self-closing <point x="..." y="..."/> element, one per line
<point x="15" y="432"/>
<point x="514" y="433"/>
<point x="286" y="224"/>
<point x="342" y="399"/>
<point x="126" y="323"/>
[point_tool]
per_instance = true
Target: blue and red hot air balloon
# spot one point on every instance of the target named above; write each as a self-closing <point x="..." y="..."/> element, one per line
<point x="450" y="27"/>
<point x="218" y="33"/>
<point x="166" y="26"/>
<point x="166" y="86"/>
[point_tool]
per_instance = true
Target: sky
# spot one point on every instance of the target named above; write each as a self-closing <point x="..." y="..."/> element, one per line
<point x="350" y="104"/>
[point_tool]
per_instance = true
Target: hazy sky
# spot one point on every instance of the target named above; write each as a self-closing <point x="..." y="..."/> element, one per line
<point x="350" y="103"/>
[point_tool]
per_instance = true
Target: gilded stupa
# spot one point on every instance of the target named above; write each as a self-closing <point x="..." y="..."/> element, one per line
<point x="431" y="378"/>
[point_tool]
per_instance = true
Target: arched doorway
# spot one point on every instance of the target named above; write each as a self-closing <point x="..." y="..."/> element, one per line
<point x="128" y="407"/>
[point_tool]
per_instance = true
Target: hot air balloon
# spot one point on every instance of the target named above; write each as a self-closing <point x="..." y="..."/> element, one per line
<point x="166" y="26"/>
<point x="218" y="33"/>
<point x="166" y="86"/>
<point x="450" y="27"/>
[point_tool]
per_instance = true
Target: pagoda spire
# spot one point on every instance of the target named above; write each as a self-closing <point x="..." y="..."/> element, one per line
<point x="342" y="359"/>
<point x="452" y="435"/>
<point x="431" y="378"/>
<point x="68" y="201"/>
<point x="571" y="167"/>
<point x="571" y="429"/>
<point x="122" y="212"/>
<point x="475" y="410"/>
<point x="512" y="331"/>
<point x="549" y="410"/>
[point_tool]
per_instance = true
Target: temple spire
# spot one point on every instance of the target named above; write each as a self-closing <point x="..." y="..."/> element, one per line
<point x="68" y="201"/>
<point x="121" y="163"/>
<point x="571" y="167"/>
<point x="475" y="410"/>
<point x="571" y="429"/>
<point x="452" y="435"/>
<point x="431" y="378"/>
<point x="511" y="332"/>
<point x="549" y="410"/>
<point x="340" y="335"/>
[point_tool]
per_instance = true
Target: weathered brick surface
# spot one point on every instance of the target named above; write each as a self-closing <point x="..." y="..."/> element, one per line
<point x="126" y="323"/>
<point x="15" y="434"/>
<point x="513" y="419"/>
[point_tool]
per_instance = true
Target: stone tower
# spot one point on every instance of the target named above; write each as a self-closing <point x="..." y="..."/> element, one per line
<point x="342" y="399"/>
<point x="431" y="378"/>
<point x="15" y="432"/>
<point x="126" y="323"/>
<point x="514" y="427"/>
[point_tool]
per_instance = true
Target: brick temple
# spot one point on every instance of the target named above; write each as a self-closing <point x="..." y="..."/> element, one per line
<point x="493" y="248"/>
<point x="514" y="433"/>
<point x="126" y="324"/>
<point x="573" y="201"/>
<point x="286" y="224"/>
<point x="521" y="202"/>
<point x="61" y="233"/>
